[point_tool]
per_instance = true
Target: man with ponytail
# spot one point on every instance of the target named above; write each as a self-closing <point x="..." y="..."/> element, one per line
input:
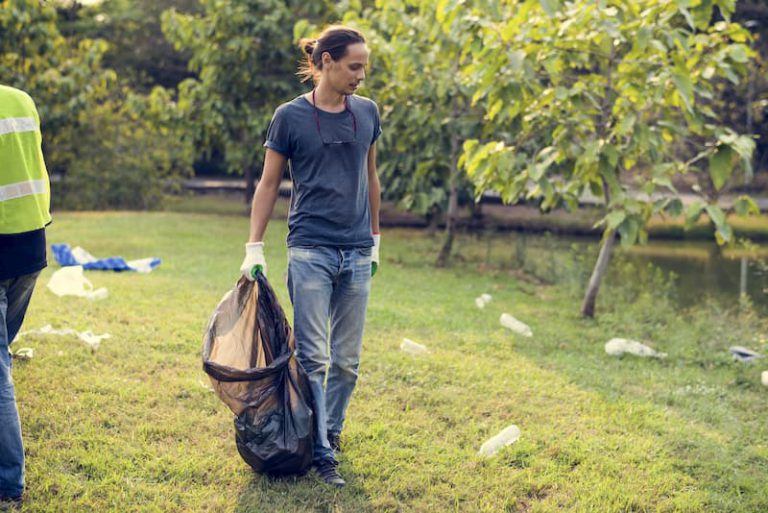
<point x="328" y="138"/>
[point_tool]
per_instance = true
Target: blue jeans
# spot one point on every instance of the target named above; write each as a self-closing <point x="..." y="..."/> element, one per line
<point x="14" y="299"/>
<point x="329" y="288"/>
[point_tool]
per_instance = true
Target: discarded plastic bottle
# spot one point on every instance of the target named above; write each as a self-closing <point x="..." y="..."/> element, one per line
<point x="411" y="347"/>
<point x="513" y="324"/>
<point x="507" y="436"/>
<point x="619" y="346"/>
<point x="764" y="378"/>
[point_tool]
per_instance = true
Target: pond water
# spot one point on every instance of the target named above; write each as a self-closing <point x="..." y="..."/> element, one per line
<point x="701" y="270"/>
<point x="698" y="270"/>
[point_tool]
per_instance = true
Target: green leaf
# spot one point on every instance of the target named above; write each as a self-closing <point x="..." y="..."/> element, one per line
<point x="629" y="231"/>
<point x="674" y="207"/>
<point x="688" y="18"/>
<point x="716" y="214"/>
<point x="614" y="219"/>
<point x="550" y="6"/>
<point x="694" y="211"/>
<point x="494" y="110"/>
<point x="721" y="166"/>
<point x="642" y="38"/>
<point x="744" y="206"/>
<point x="682" y="80"/>
<point x="724" y="234"/>
<point x="738" y="53"/>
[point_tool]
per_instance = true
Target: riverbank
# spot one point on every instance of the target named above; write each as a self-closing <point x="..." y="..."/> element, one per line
<point x="497" y="217"/>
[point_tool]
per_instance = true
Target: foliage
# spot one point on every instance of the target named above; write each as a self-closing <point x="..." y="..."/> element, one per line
<point x="106" y="145"/>
<point x="603" y="97"/>
<point x="424" y="105"/>
<point x="130" y="153"/>
<point x="245" y="61"/>
<point x="138" y="50"/>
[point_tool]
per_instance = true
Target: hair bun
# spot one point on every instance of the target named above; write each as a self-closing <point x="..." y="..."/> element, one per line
<point x="309" y="46"/>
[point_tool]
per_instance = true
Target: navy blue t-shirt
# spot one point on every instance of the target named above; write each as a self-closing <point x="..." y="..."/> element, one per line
<point x="329" y="170"/>
<point x="22" y="253"/>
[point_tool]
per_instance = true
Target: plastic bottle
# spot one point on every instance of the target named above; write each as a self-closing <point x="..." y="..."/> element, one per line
<point x="507" y="436"/>
<point x="513" y="324"/>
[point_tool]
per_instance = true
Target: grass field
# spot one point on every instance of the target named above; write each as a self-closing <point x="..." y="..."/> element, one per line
<point x="132" y="426"/>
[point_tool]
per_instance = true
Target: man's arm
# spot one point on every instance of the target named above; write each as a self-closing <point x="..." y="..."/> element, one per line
<point x="266" y="193"/>
<point x="374" y="189"/>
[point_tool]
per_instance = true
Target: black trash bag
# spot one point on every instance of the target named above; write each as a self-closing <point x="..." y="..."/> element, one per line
<point x="248" y="354"/>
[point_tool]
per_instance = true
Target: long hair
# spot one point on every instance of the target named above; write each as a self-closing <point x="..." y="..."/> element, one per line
<point x="334" y="40"/>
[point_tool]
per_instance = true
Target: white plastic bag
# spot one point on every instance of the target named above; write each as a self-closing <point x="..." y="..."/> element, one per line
<point x="93" y="341"/>
<point x="70" y="281"/>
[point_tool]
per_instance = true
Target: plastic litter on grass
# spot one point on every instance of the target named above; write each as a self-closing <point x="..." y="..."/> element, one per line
<point x="620" y="346"/>
<point x="91" y="340"/>
<point x="513" y="324"/>
<point x="413" y="348"/>
<point x="507" y="436"/>
<point x="70" y="281"/>
<point x="78" y="256"/>
<point x="744" y="355"/>
<point x="483" y="300"/>
<point x="24" y="353"/>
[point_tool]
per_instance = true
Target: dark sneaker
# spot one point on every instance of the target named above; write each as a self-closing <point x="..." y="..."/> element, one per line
<point x="328" y="472"/>
<point x="335" y="441"/>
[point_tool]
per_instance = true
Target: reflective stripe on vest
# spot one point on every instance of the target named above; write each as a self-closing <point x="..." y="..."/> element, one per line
<point x="21" y="189"/>
<point x="11" y="125"/>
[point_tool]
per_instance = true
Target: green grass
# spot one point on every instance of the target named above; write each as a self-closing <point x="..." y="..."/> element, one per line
<point x="130" y="427"/>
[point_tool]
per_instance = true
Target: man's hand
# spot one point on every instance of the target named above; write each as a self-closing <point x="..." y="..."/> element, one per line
<point x="375" y="253"/>
<point x="254" y="261"/>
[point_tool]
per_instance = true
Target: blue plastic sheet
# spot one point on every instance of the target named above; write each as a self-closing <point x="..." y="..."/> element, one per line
<point x="66" y="256"/>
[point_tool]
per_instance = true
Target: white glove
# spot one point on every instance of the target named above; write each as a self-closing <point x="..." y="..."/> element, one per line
<point x="375" y="253"/>
<point x="254" y="261"/>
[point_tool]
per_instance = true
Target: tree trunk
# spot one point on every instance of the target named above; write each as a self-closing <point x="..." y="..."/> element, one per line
<point x="250" y="184"/>
<point x="433" y="222"/>
<point x="453" y="206"/>
<point x="588" y="306"/>
<point x="609" y="239"/>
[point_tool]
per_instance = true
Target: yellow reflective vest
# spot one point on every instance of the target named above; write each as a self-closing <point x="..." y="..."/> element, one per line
<point x="25" y="192"/>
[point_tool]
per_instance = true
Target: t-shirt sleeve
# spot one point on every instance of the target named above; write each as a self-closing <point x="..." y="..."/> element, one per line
<point x="279" y="134"/>
<point x="376" y="124"/>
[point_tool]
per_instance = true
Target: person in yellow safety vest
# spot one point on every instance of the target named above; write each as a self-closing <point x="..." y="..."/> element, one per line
<point x="24" y="214"/>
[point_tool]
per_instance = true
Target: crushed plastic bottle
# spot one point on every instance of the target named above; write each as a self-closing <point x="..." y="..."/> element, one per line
<point x="482" y="300"/>
<point x="513" y="324"/>
<point x="744" y="354"/>
<point x="507" y="436"/>
<point x="620" y="346"/>
<point x="411" y="347"/>
<point x="25" y="353"/>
